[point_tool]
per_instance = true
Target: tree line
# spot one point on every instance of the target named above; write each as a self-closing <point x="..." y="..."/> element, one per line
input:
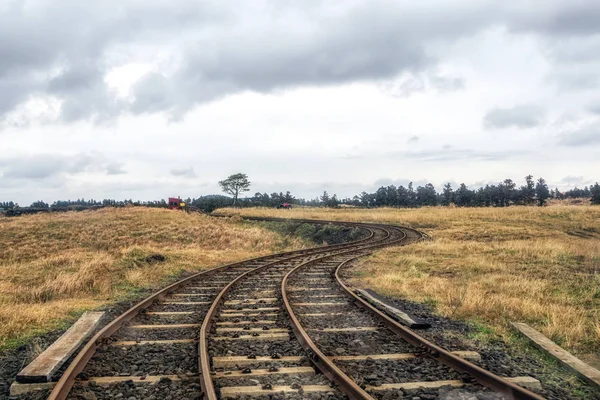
<point x="503" y="194"/>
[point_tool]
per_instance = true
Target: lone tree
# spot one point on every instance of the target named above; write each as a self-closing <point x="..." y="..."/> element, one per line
<point x="234" y="184"/>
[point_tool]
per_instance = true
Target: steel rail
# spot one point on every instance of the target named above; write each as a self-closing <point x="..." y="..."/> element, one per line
<point x="323" y="363"/>
<point x="67" y="380"/>
<point x="486" y="378"/>
<point x="350" y="388"/>
<point x="206" y="381"/>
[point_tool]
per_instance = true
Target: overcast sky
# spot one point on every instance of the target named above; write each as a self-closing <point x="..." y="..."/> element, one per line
<point x="147" y="99"/>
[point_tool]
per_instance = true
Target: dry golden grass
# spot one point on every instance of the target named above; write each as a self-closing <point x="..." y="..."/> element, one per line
<point x="492" y="265"/>
<point x="55" y="266"/>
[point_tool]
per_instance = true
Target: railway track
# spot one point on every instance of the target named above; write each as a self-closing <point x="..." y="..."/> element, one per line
<point x="258" y="329"/>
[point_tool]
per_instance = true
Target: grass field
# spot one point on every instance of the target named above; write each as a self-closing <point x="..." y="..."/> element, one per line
<point x="491" y="265"/>
<point x="54" y="266"/>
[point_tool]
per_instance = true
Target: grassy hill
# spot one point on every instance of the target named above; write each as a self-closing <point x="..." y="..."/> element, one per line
<point x="55" y="266"/>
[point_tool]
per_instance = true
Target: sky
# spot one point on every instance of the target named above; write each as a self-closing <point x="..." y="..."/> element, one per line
<point x="148" y="99"/>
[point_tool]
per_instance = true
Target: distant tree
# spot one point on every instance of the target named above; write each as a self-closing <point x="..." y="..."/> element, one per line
<point x="448" y="195"/>
<point x="509" y="191"/>
<point x="411" y="196"/>
<point x="426" y="195"/>
<point x="39" y="204"/>
<point x="325" y="198"/>
<point x="288" y="198"/>
<point x="541" y="191"/>
<point x="234" y="185"/>
<point x="595" y="191"/>
<point x="527" y="192"/>
<point x="463" y="197"/>
<point x="333" y="201"/>
<point x="366" y="199"/>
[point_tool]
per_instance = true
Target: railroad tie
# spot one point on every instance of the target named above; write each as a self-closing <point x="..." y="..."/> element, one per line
<point x="251" y="302"/>
<point x="204" y="287"/>
<point x="264" y="372"/>
<point x="305" y="288"/>
<point x="226" y="361"/>
<point x="238" y="315"/>
<point x="524" y="381"/>
<point x="143" y="342"/>
<point x="353" y="329"/>
<point x="467" y="355"/>
<point x="169" y="313"/>
<point x="236" y="391"/>
<point x="322" y="314"/>
<point x="272" y="330"/>
<point x="260" y="336"/>
<point x="247" y="322"/>
<point x="167" y="326"/>
<point x="233" y="310"/>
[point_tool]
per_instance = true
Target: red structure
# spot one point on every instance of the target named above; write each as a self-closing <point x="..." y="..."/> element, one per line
<point x="175" y="203"/>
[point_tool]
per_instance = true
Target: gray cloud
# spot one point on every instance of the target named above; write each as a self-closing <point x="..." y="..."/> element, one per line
<point x="556" y="17"/>
<point x="594" y="109"/>
<point x="45" y="166"/>
<point x="447" y="153"/>
<point x="213" y="49"/>
<point x="413" y="139"/>
<point x="447" y="83"/>
<point x="518" y="116"/>
<point x="584" y="136"/>
<point x="184" y="172"/>
<point x="220" y="49"/>
<point x="115" y="169"/>
<point x="572" y="179"/>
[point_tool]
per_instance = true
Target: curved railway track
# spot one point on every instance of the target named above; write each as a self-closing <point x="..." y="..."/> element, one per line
<point x="257" y="328"/>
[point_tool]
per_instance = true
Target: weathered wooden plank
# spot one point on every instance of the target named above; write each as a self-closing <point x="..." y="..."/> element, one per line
<point x="187" y="303"/>
<point x="393" y="311"/>
<point x="321" y="304"/>
<point x="583" y="370"/>
<point x="19" y="389"/>
<point x="46" y="364"/>
<point x="526" y="381"/>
